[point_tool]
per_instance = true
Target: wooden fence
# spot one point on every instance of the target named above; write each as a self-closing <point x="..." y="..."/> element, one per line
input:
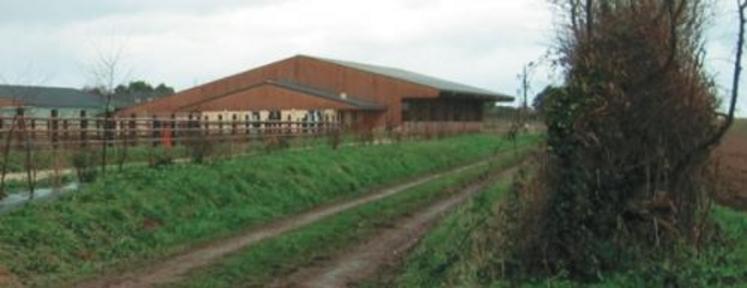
<point x="52" y="133"/>
<point x="75" y="133"/>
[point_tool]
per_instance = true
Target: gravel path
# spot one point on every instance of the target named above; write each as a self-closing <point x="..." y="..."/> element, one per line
<point x="385" y="250"/>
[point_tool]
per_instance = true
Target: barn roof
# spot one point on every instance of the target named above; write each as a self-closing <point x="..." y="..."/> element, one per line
<point x="51" y="97"/>
<point x="445" y="86"/>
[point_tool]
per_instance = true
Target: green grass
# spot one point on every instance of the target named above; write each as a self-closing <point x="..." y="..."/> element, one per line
<point x="719" y="264"/>
<point x="142" y="214"/>
<point x="258" y="265"/>
<point x="43" y="159"/>
<point x="441" y="261"/>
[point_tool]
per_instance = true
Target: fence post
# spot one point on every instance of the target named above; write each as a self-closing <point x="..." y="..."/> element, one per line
<point x="65" y="133"/>
<point x="32" y="131"/>
<point x="155" y="131"/>
<point x="173" y="126"/>
<point x="232" y="137"/>
<point x="247" y="128"/>
<point x="83" y="129"/>
<point x="220" y="126"/>
<point x="53" y="128"/>
<point x="98" y="134"/>
<point x="21" y="126"/>
<point x="133" y="131"/>
<point x="289" y="126"/>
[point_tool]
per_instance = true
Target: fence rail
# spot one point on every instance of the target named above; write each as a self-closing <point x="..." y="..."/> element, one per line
<point x="68" y="133"/>
<point x="35" y="148"/>
<point x="53" y="133"/>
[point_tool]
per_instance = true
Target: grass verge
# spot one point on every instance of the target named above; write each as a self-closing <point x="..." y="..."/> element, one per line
<point x="142" y="214"/>
<point x="258" y="265"/>
<point x="452" y="256"/>
<point x="442" y="257"/>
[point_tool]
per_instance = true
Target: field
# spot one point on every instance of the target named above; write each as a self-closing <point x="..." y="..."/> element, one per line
<point x="732" y="158"/>
<point x="143" y="214"/>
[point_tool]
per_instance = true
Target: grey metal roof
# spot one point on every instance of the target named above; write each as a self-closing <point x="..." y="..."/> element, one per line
<point x="444" y="86"/>
<point x="52" y="97"/>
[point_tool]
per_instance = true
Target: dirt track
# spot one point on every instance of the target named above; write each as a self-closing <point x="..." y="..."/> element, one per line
<point x="386" y="249"/>
<point x="173" y="269"/>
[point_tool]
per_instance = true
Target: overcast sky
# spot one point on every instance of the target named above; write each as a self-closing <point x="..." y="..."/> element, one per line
<point x="483" y="43"/>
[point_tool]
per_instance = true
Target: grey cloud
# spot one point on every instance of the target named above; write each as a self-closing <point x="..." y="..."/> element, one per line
<point x="46" y="12"/>
<point x="185" y="42"/>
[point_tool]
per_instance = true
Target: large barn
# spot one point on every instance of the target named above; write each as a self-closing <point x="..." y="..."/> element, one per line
<point x="317" y="89"/>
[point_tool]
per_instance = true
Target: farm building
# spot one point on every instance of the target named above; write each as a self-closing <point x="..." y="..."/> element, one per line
<point x="306" y="88"/>
<point x="37" y="101"/>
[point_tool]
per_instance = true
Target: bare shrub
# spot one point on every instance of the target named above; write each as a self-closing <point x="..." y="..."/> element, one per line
<point x="162" y="157"/>
<point x="625" y="136"/>
<point x="513" y="231"/>
<point x="198" y="143"/>
<point x="58" y="165"/>
<point x="276" y="143"/>
<point x="334" y="136"/>
<point x="85" y="164"/>
<point x="124" y="148"/>
<point x="29" y="163"/>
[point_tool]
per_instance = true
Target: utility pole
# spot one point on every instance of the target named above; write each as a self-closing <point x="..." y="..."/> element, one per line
<point x="525" y="91"/>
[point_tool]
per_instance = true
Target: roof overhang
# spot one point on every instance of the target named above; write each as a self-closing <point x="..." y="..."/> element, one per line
<point x="476" y="96"/>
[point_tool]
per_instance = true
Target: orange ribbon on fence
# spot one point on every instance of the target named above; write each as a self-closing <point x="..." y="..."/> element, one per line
<point x="166" y="138"/>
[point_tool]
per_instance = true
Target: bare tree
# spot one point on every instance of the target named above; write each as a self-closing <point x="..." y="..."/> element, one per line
<point x="737" y="65"/>
<point x="108" y="71"/>
<point x="17" y="93"/>
<point x="8" y="142"/>
<point x="637" y="100"/>
<point x="729" y="117"/>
